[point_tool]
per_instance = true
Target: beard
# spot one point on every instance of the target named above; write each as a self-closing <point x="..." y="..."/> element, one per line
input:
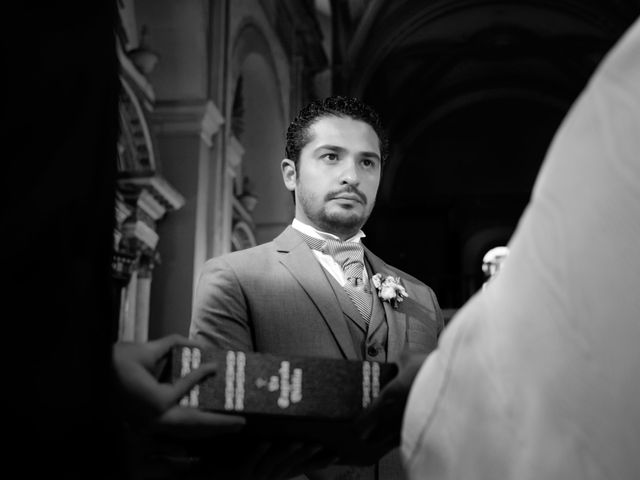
<point x="340" y="221"/>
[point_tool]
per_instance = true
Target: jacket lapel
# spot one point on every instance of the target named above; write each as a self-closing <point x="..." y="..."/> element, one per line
<point x="299" y="260"/>
<point x="347" y="305"/>
<point x="396" y="318"/>
<point x="378" y="314"/>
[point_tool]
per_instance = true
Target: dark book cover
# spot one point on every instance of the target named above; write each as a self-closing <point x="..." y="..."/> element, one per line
<point x="261" y="384"/>
<point x="285" y="398"/>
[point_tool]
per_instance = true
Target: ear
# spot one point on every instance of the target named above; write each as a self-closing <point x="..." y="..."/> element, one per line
<point x="289" y="175"/>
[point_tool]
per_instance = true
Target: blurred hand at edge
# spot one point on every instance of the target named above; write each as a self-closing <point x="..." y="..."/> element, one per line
<point x="148" y="402"/>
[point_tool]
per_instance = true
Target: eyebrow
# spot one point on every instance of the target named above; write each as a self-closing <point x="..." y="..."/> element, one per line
<point x="335" y="148"/>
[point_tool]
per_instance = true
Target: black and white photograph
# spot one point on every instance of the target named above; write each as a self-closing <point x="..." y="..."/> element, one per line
<point x="322" y="239"/>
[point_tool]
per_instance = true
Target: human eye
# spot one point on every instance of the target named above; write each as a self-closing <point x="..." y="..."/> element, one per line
<point x="330" y="156"/>
<point x="368" y="163"/>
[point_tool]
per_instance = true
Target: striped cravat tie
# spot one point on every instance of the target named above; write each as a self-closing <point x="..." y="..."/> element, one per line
<point x="350" y="257"/>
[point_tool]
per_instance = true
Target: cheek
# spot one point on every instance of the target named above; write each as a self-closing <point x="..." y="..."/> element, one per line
<point x="311" y="191"/>
<point x="371" y="189"/>
<point x="316" y="185"/>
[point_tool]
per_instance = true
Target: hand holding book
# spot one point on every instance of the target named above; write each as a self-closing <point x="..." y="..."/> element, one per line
<point x="288" y="399"/>
<point x="150" y="403"/>
<point x="164" y="429"/>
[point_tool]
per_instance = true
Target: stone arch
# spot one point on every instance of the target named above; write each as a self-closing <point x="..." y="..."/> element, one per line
<point x="242" y="236"/>
<point x="136" y="152"/>
<point x="256" y="72"/>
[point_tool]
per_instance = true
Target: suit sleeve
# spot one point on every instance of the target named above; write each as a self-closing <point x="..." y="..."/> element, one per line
<point x="220" y="315"/>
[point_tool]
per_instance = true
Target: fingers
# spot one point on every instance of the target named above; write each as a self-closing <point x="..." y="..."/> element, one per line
<point x="160" y="347"/>
<point x="190" y="422"/>
<point x="183" y="385"/>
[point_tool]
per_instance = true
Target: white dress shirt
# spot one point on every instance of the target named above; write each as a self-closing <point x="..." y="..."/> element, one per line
<point x="327" y="261"/>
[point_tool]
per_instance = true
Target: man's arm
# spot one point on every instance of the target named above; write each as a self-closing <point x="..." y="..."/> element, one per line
<point x="220" y="315"/>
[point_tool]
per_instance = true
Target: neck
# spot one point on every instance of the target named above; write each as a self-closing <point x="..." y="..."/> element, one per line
<point x="342" y="234"/>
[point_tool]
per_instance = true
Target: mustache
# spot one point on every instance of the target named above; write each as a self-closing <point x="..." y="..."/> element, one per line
<point x="349" y="190"/>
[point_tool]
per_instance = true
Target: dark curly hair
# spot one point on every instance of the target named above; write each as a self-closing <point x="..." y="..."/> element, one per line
<point x="337" y="106"/>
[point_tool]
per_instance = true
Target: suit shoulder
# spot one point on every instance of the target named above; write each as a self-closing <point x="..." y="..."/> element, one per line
<point x="255" y="254"/>
<point x="407" y="277"/>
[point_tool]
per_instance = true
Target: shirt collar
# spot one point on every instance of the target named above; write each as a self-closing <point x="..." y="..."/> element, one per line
<point x="312" y="232"/>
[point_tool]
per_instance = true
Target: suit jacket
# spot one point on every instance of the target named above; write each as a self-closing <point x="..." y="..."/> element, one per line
<point x="277" y="298"/>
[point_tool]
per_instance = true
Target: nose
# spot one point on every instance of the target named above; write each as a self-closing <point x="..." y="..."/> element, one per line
<point x="349" y="173"/>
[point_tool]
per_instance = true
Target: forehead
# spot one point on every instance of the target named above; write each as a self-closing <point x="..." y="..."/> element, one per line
<point x="344" y="132"/>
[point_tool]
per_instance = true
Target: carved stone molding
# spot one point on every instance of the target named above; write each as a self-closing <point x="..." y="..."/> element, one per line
<point x="234" y="154"/>
<point x="203" y="118"/>
<point x="143" y="89"/>
<point x="135" y="145"/>
<point x="212" y="120"/>
<point x="160" y="190"/>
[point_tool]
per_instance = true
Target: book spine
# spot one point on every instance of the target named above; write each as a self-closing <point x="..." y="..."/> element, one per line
<point x="253" y="383"/>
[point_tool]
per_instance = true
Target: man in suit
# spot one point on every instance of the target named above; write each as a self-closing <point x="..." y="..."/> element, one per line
<point x="312" y="291"/>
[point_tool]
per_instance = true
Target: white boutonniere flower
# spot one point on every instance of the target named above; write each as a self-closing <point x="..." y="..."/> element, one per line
<point x="389" y="289"/>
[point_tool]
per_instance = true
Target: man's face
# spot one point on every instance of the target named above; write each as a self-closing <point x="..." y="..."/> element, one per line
<point x="337" y="176"/>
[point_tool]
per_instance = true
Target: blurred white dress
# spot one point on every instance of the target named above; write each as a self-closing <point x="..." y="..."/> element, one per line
<point x="538" y="376"/>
